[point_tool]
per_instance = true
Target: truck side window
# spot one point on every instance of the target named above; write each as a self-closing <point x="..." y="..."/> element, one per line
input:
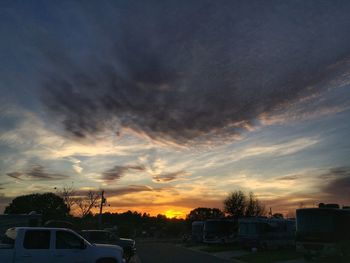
<point x="37" y="239"/>
<point x="67" y="240"/>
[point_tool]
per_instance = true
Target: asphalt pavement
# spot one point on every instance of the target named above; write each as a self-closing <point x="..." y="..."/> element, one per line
<point x="171" y="253"/>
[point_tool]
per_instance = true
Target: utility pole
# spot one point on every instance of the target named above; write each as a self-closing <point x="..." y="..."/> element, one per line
<point x="103" y="203"/>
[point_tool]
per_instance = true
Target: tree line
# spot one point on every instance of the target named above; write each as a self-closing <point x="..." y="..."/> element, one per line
<point x="59" y="206"/>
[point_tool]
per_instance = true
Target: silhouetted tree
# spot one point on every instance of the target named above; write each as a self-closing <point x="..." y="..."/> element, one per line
<point x="237" y="204"/>
<point x="254" y="207"/>
<point x="51" y="206"/>
<point x="204" y="213"/>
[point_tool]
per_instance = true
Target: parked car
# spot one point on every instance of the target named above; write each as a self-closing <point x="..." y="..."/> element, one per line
<point x="108" y="237"/>
<point x="54" y="245"/>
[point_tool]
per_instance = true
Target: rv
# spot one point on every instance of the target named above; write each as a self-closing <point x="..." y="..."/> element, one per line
<point x="218" y="231"/>
<point x="323" y="232"/>
<point x="197" y="231"/>
<point x="266" y="233"/>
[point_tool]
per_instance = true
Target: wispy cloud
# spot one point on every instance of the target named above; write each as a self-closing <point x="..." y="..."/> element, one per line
<point x="36" y="172"/>
<point x="288" y="178"/>
<point x="169" y="177"/>
<point x="226" y="155"/>
<point x="33" y="137"/>
<point x="280" y="149"/>
<point x="118" y="171"/>
<point x="76" y="164"/>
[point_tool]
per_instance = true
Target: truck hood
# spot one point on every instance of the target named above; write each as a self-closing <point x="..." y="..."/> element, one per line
<point x="123" y="242"/>
<point x="109" y="247"/>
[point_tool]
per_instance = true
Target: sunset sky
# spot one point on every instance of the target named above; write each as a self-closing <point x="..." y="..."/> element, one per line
<point x="171" y="105"/>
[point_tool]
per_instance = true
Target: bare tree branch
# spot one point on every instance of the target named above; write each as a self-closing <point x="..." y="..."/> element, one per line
<point x="67" y="193"/>
<point x="86" y="203"/>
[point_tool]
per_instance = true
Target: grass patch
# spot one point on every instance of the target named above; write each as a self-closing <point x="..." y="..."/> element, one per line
<point x="269" y="256"/>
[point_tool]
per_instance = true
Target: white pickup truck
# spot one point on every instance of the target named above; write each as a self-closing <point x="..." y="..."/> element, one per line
<point x="54" y="245"/>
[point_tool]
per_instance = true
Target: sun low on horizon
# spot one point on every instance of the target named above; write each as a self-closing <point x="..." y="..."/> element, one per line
<point x="174" y="214"/>
<point x="177" y="107"/>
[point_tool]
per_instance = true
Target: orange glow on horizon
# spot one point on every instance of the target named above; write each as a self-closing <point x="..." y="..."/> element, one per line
<point x="174" y="214"/>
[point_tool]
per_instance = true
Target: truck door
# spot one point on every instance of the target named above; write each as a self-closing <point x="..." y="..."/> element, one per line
<point x="70" y="248"/>
<point x="36" y="247"/>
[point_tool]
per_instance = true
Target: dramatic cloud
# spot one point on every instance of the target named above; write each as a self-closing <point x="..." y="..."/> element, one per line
<point x="337" y="172"/>
<point x="168" y="177"/>
<point x="36" y="172"/>
<point x="183" y="72"/>
<point x="339" y="187"/>
<point x="118" y="171"/>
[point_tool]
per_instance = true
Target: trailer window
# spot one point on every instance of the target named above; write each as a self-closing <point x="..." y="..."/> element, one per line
<point x="37" y="239"/>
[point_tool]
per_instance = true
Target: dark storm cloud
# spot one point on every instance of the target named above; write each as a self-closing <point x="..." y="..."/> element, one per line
<point x="118" y="171"/>
<point x="168" y="177"/>
<point x="339" y="185"/>
<point x="182" y="70"/>
<point x="36" y="172"/>
<point x="337" y="172"/>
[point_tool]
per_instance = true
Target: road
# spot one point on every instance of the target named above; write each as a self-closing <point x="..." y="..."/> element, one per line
<point x="169" y="253"/>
